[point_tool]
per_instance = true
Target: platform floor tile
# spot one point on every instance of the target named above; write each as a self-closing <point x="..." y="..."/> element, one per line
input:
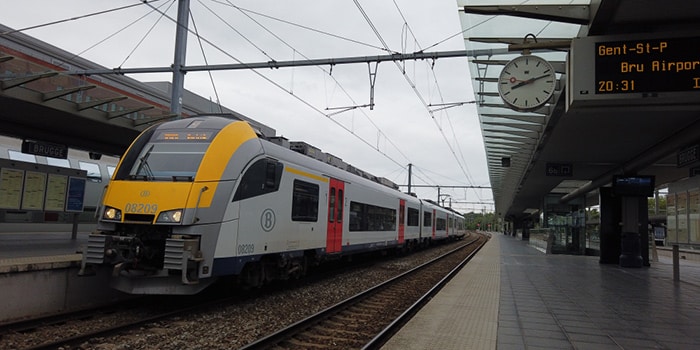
<point x="464" y="315"/>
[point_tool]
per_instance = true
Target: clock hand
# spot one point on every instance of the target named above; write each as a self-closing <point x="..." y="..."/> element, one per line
<point x="525" y="82"/>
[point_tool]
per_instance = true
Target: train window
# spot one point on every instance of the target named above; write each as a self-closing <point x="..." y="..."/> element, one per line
<point x="156" y="161"/>
<point x="132" y="156"/>
<point x="441" y="224"/>
<point x="271" y="174"/>
<point x="367" y="217"/>
<point x="340" y="206"/>
<point x="305" y="201"/>
<point x="110" y="170"/>
<point x="331" y="206"/>
<point x="413" y="217"/>
<point x="64" y="163"/>
<point x="93" y="171"/>
<point x="427" y="219"/>
<point x="261" y="178"/>
<point x="23" y="157"/>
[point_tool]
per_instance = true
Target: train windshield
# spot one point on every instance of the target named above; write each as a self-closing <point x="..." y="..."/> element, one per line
<point x="168" y="161"/>
<point x="165" y="155"/>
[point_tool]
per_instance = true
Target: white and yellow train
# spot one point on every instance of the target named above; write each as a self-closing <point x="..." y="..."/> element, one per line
<point x="197" y="199"/>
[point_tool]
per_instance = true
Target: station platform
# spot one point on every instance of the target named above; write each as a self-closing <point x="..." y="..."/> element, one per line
<point x="50" y="249"/>
<point x="513" y="296"/>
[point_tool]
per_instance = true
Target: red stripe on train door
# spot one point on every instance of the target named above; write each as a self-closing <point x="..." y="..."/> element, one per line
<point x="334" y="234"/>
<point x="402" y="219"/>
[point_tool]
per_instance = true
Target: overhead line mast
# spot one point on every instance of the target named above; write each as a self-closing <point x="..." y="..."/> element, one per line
<point x="178" y="85"/>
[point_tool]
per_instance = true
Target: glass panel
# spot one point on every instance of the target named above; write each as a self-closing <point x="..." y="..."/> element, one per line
<point x="305" y="201"/>
<point x="93" y="170"/>
<point x="671" y="231"/>
<point x="23" y="157"/>
<point x="165" y="160"/>
<point x="367" y="217"/>
<point x="340" y="206"/>
<point x="694" y="215"/>
<point x="427" y="219"/>
<point x="20" y="67"/>
<point x="413" y="216"/>
<point x="331" y="206"/>
<point x="58" y="162"/>
<point x="681" y="210"/>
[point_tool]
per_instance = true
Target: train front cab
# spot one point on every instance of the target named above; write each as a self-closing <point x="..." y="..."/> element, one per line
<point x="162" y="212"/>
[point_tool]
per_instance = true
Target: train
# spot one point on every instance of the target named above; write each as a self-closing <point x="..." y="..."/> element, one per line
<point x="98" y="174"/>
<point x="207" y="197"/>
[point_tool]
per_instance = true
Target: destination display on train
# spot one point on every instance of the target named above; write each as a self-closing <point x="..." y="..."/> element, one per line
<point x="184" y="135"/>
<point x="647" y="66"/>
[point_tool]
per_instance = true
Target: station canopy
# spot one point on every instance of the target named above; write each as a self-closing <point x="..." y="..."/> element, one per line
<point x="562" y="149"/>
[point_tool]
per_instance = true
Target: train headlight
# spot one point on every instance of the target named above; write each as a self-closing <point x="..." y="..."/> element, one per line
<point x="113" y="214"/>
<point x="171" y="216"/>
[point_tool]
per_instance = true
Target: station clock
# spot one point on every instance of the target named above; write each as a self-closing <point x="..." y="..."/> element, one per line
<point x="527" y="82"/>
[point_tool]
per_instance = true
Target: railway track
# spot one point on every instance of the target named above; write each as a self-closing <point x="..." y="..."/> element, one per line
<point x="368" y="319"/>
<point x="156" y="322"/>
<point x="148" y="315"/>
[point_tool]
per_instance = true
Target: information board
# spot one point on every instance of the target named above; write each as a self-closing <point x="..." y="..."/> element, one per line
<point x="76" y="194"/>
<point x="34" y="190"/>
<point x="649" y="69"/>
<point x="647" y="65"/>
<point x="11" y="181"/>
<point x="56" y="192"/>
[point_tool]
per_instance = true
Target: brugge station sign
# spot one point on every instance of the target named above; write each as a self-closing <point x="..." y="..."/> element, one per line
<point x="44" y="149"/>
<point x="654" y="69"/>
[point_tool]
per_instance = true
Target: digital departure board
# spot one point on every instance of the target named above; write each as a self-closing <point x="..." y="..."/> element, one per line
<point x="654" y="65"/>
<point x="635" y="69"/>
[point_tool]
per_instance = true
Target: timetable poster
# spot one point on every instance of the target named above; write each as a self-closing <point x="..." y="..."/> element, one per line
<point x="11" y="181"/>
<point x="34" y="190"/>
<point x="56" y="192"/>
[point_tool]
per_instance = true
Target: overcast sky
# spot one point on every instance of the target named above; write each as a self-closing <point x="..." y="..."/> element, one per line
<point x="446" y="148"/>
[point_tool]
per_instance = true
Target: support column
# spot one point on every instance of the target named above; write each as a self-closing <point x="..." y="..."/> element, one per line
<point x="610" y="218"/>
<point x="635" y="232"/>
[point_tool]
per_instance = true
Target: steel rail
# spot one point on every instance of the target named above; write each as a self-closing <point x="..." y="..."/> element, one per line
<point x="297" y="327"/>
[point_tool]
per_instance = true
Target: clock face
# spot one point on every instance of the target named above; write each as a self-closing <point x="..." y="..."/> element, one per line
<point x="527" y="82"/>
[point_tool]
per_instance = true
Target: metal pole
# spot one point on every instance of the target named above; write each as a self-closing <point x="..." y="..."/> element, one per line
<point x="74" y="231"/>
<point x="183" y="11"/>
<point x="676" y="263"/>
<point x="410" y="168"/>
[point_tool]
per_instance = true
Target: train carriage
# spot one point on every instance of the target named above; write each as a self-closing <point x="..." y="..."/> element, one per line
<point x="205" y="197"/>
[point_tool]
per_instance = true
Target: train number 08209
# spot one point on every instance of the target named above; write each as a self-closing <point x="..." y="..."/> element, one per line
<point x="141" y="208"/>
<point x="246" y="248"/>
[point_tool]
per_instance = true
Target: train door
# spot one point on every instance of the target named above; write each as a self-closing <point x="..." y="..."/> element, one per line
<point x="334" y="235"/>
<point x="434" y="222"/>
<point x="402" y="217"/>
<point x="448" y="218"/>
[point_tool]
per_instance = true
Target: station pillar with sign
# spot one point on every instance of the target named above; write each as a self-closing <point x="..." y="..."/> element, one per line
<point x="610" y="232"/>
<point x="624" y="221"/>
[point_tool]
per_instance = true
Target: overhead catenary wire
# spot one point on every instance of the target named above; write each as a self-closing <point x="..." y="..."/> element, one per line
<point x="142" y="2"/>
<point x="293" y="95"/>
<point x="326" y="72"/>
<point x="143" y="37"/>
<point x="301" y="26"/>
<point x="415" y="90"/>
<point x="437" y="84"/>
<point x="206" y="61"/>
